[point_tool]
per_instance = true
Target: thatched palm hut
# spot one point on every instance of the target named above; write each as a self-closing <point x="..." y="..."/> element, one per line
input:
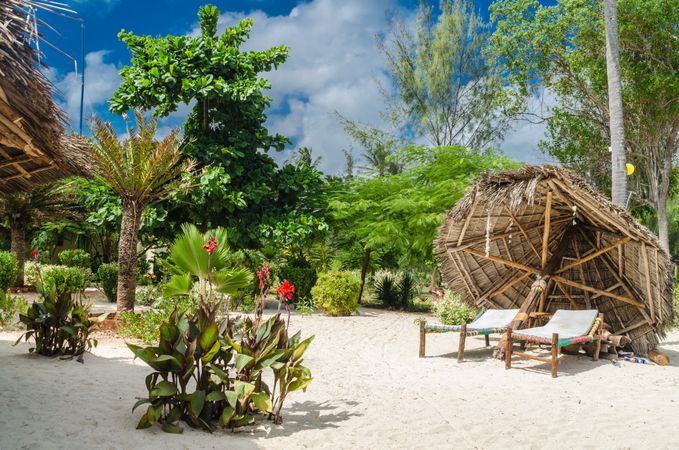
<point x="33" y="146"/>
<point x="545" y="223"/>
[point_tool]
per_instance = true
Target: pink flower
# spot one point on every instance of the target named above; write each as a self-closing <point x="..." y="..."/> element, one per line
<point x="211" y="245"/>
<point x="286" y="290"/>
<point x="263" y="274"/>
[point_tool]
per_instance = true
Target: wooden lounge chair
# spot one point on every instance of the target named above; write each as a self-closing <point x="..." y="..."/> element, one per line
<point x="564" y="328"/>
<point x="489" y="321"/>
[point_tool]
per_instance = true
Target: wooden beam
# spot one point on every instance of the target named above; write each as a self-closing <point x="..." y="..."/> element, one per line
<point x="467" y="220"/>
<point x="591" y="256"/>
<point x="545" y="234"/>
<point x="604" y="293"/>
<point x="647" y="273"/>
<point x="508" y="285"/>
<point x="631" y="327"/>
<point x="497" y="259"/>
<point x="521" y="229"/>
<point x="12" y="161"/>
<point x="570" y="299"/>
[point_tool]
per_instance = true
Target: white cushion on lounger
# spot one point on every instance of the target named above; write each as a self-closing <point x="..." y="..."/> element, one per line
<point x="568" y="324"/>
<point x="493" y="318"/>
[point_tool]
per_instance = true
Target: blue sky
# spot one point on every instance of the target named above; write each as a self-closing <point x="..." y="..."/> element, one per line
<point x="333" y="65"/>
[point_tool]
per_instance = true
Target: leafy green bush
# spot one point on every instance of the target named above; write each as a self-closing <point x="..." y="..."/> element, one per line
<point x="10" y="306"/>
<point x="394" y="291"/>
<point x="300" y="273"/>
<point x="148" y="295"/>
<point x="450" y="310"/>
<point x="9" y="269"/>
<point x="61" y="279"/>
<point x="145" y="325"/>
<point x="75" y="258"/>
<point x="336" y="293"/>
<point x="305" y="305"/>
<point x="107" y="274"/>
<point x="31" y="269"/>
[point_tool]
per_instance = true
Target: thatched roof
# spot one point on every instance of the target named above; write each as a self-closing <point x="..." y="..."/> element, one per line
<point x="33" y="146"/>
<point x="490" y="249"/>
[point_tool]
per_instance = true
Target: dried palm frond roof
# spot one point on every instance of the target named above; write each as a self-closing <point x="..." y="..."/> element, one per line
<point x="33" y="145"/>
<point x="500" y="235"/>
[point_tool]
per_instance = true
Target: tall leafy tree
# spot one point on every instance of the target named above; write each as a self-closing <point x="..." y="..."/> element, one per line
<point x="617" y="126"/>
<point x="141" y="170"/>
<point x="561" y="48"/>
<point x="445" y="87"/>
<point x="21" y="211"/>
<point x="240" y="186"/>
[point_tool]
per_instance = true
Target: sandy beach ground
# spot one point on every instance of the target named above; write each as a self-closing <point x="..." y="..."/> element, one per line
<point x="370" y="390"/>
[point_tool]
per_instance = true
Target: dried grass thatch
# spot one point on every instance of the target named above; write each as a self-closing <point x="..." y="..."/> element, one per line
<point x="33" y="146"/>
<point x="490" y="249"/>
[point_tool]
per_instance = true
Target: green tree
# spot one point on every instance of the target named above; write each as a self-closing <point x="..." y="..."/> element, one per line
<point x="20" y="211"/>
<point x="400" y="214"/>
<point x="560" y="48"/>
<point x="240" y="186"/>
<point x="446" y="88"/>
<point x="140" y="170"/>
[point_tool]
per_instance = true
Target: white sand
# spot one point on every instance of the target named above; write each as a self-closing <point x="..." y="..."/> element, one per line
<point x="370" y="391"/>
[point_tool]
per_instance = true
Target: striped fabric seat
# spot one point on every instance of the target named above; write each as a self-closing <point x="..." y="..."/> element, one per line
<point x="490" y="321"/>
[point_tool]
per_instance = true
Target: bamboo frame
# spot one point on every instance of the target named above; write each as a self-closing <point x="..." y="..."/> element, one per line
<point x="545" y="234"/>
<point x="595" y="254"/>
<point x="584" y="287"/>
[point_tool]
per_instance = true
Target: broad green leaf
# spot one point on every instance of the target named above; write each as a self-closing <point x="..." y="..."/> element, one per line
<point x="215" y="396"/>
<point x="172" y="428"/>
<point x="242" y="361"/>
<point x="197" y="402"/>
<point x="164" y="389"/>
<point x="179" y="284"/>
<point x="262" y="401"/>
<point x="227" y="414"/>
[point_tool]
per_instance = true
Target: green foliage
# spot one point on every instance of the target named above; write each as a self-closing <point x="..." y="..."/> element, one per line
<point x="239" y="187"/>
<point x="301" y="275"/>
<point x="450" y="310"/>
<point x="107" y="274"/>
<point x="208" y="372"/>
<point x="395" y="291"/>
<point x="148" y="295"/>
<point x="336" y="293"/>
<point x="145" y="325"/>
<point x="9" y="269"/>
<point x="71" y="280"/>
<point x="10" y="306"/>
<point x="305" y="305"/>
<point x="194" y="267"/>
<point x="676" y="307"/>
<point x="75" y="258"/>
<point x="60" y="322"/>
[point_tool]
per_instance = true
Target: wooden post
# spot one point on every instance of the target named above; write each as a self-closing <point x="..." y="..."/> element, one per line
<point x="508" y="348"/>
<point x="423" y="337"/>
<point x="545" y="235"/>
<point x="599" y="332"/>
<point x="487" y="340"/>
<point x="463" y="338"/>
<point x="555" y="354"/>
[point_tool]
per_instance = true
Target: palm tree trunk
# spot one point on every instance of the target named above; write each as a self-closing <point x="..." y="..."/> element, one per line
<point x="618" y="174"/>
<point x="127" y="256"/>
<point x="18" y="246"/>
<point x="364" y="272"/>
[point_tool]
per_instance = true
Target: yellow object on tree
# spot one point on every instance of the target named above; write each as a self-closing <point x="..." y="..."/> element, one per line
<point x="630" y="169"/>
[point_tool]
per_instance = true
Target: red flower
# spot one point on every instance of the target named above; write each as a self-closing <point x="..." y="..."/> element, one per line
<point x="35" y="254"/>
<point x="286" y="290"/>
<point x="263" y="274"/>
<point x="211" y="245"/>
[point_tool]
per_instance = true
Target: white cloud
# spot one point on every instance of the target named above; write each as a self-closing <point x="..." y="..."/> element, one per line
<point x="101" y="80"/>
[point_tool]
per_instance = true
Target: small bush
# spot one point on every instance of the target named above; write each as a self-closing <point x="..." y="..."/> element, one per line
<point x="61" y="279"/>
<point x="145" y="325"/>
<point x="9" y="269"/>
<point x="336" y="293"/>
<point x="75" y="258"/>
<point x="107" y="274"/>
<point x="148" y="295"/>
<point x="305" y="305"/>
<point x="395" y="291"/>
<point x="450" y="310"/>
<point x="301" y="275"/>
<point x="10" y="306"/>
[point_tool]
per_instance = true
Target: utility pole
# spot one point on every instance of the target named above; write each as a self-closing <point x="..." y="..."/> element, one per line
<point x="82" y="79"/>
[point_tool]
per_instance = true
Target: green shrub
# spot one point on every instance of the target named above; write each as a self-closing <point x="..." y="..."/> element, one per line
<point x="107" y="274"/>
<point x="676" y="307"/>
<point x="450" y="310"/>
<point x="394" y="291"/>
<point x="336" y="293"/>
<point x="10" y="306"/>
<point x="305" y="305"/>
<point x="301" y="275"/>
<point x="9" y="269"/>
<point x="75" y="258"/>
<point x="148" y="295"/>
<point x="61" y="279"/>
<point x="145" y="325"/>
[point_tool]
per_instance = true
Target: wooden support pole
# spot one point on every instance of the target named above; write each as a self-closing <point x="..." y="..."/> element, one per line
<point x="487" y="340"/>
<point x="599" y="333"/>
<point x="423" y="338"/>
<point x="545" y="234"/>
<point x="508" y="348"/>
<point x="555" y="354"/>
<point x="574" y="305"/>
<point x="647" y="274"/>
<point x="598" y="291"/>
<point x="591" y="256"/>
<point x="463" y="338"/>
<point x="497" y="259"/>
<point x="522" y="230"/>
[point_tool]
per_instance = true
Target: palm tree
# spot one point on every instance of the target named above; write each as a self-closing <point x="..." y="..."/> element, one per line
<point x="141" y="170"/>
<point x="618" y="175"/>
<point x="22" y="210"/>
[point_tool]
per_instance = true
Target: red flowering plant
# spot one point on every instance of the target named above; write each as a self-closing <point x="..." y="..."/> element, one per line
<point x="264" y="273"/>
<point x="35" y="254"/>
<point x="285" y="293"/>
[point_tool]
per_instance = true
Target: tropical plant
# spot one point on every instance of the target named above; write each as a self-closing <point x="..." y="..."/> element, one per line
<point x="9" y="269"/>
<point x="10" y="306"/>
<point x="145" y="325"/>
<point x="300" y="273"/>
<point x="451" y="310"/>
<point x="72" y="280"/>
<point x="75" y="258"/>
<point x="60" y="322"/>
<point x="141" y="170"/>
<point x="21" y="210"/>
<point x="336" y="293"/>
<point x="107" y="274"/>
<point x="395" y="291"/>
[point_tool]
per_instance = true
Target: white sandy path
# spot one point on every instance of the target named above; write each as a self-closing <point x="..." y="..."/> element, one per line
<point x="370" y="390"/>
